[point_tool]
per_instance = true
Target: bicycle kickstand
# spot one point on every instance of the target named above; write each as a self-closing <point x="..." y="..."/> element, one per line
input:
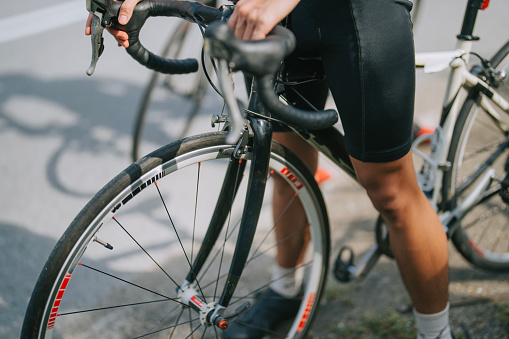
<point x="344" y="268"/>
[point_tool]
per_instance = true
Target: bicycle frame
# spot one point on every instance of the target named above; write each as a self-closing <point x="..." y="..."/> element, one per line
<point x="331" y="143"/>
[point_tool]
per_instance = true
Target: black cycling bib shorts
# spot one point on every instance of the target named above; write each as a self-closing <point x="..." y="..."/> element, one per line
<point x="367" y="51"/>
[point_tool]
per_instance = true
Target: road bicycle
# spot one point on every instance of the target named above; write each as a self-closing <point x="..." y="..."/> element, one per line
<point x="165" y="92"/>
<point x="178" y="244"/>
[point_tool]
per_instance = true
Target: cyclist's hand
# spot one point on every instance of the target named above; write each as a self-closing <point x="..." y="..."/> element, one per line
<point x="126" y="11"/>
<point x="254" y="19"/>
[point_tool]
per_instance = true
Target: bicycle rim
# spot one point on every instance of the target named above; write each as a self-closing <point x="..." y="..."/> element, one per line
<point x="482" y="236"/>
<point x="116" y="270"/>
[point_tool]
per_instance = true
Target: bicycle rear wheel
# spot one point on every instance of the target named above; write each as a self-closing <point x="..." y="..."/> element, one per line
<point x="479" y="146"/>
<point x="124" y="256"/>
<point x="170" y="102"/>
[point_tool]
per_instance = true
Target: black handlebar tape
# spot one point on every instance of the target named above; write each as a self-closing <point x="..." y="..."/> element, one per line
<point x="136" y="50"/>
<point x="190" y="11"/>
<point x="259" y="58"/>
<point x="262" y="59"/>
<point x="311" y="120"/>
<point x="157" y="63"/>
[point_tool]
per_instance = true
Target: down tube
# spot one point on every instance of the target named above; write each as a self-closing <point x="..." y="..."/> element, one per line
<point x="331" y="143"/>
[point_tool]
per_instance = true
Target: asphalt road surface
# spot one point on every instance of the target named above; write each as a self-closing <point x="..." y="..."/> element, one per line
<point x="63" y="134"/>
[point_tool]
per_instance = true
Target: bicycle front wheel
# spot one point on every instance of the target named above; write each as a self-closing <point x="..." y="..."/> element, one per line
<point x="478" y="154"/>
<point x="118" y="269"/>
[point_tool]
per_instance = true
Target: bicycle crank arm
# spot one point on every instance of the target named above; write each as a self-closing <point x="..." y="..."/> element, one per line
<point x="345" y="270"/>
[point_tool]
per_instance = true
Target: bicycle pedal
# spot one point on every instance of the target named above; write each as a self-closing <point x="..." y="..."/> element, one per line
<point x="343" y="265"/>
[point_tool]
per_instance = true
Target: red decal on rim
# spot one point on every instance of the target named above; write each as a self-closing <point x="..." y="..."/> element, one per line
<point x="293" y="179"/>
<point x="307" y="311"/>
<point x="56" y="303"/>
<point x="476" y="248"/>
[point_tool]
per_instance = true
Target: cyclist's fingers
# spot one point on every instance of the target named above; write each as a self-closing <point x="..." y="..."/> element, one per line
<point x="126" y="11"/>
<point x="232" y="21"/>
<point x="120" y="36"/>
<point x="254" y="28"/>
<point x="238" y="28"/>
<point x="254" y="19"/>
<point x="237" y="23"/>
<point x="255" y="31"/>
<point x="244" y="20"/>
<point x="88" y="26"/>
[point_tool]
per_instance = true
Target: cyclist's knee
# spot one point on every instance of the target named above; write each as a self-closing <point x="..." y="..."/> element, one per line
<point x="391" y="187"/>
<point x="389" y="201"/>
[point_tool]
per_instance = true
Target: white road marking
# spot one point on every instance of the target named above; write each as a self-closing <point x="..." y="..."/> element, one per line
<point x="42" y="20"/>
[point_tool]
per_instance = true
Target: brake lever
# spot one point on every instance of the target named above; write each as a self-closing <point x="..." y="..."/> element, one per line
<point x="96" y="36"/>
<point x="102" y="13"/>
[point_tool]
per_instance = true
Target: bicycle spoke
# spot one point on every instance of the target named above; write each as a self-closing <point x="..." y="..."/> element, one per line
<point x="195" y="209"/>
<point x="145" y="251"/>
<point x="265" y="330"/>
<point x="260" y="288"/>
<point x="172" y="224"/>
<point x="128" y="282"/>
<point x="177" y="234"/>
<point x="499" y="235"/>
<point x="280" y="242"/>
<point x="218" y="252"/>
<point x="176" y="322"/>
<point x="168" y="328"/>
<point x="113" y="307"/>
<point x="285" y="209"/>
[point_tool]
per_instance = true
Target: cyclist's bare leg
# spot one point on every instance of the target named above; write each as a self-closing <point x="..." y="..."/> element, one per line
<point x="416" y="234"/>
<point x="291" y="232"/>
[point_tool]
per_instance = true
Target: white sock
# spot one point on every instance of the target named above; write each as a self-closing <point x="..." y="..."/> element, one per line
<point x="433" y="326"/>
<point x="286" y="281"/>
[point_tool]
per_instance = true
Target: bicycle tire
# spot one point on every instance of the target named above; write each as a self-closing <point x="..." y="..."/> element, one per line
<point x="483" y="233"/>
<point x="189" y="101"/>
<point x="94" y="277"/>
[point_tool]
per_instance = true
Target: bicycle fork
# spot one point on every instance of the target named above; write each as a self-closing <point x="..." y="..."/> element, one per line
<point x="212" y="313"/>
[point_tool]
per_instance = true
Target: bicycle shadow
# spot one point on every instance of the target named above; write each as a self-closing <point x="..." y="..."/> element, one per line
<point x="87" y="117"/>
<point x="91" y="118"/>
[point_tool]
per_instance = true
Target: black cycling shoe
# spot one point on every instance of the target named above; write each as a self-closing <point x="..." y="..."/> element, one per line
<point x="269" y="310"/>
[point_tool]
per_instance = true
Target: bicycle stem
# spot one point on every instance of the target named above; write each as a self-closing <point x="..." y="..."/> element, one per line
<point x="237" y="121"/>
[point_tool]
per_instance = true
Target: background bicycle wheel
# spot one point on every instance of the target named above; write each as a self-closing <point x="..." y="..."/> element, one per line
<point x="63" y="135"/>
